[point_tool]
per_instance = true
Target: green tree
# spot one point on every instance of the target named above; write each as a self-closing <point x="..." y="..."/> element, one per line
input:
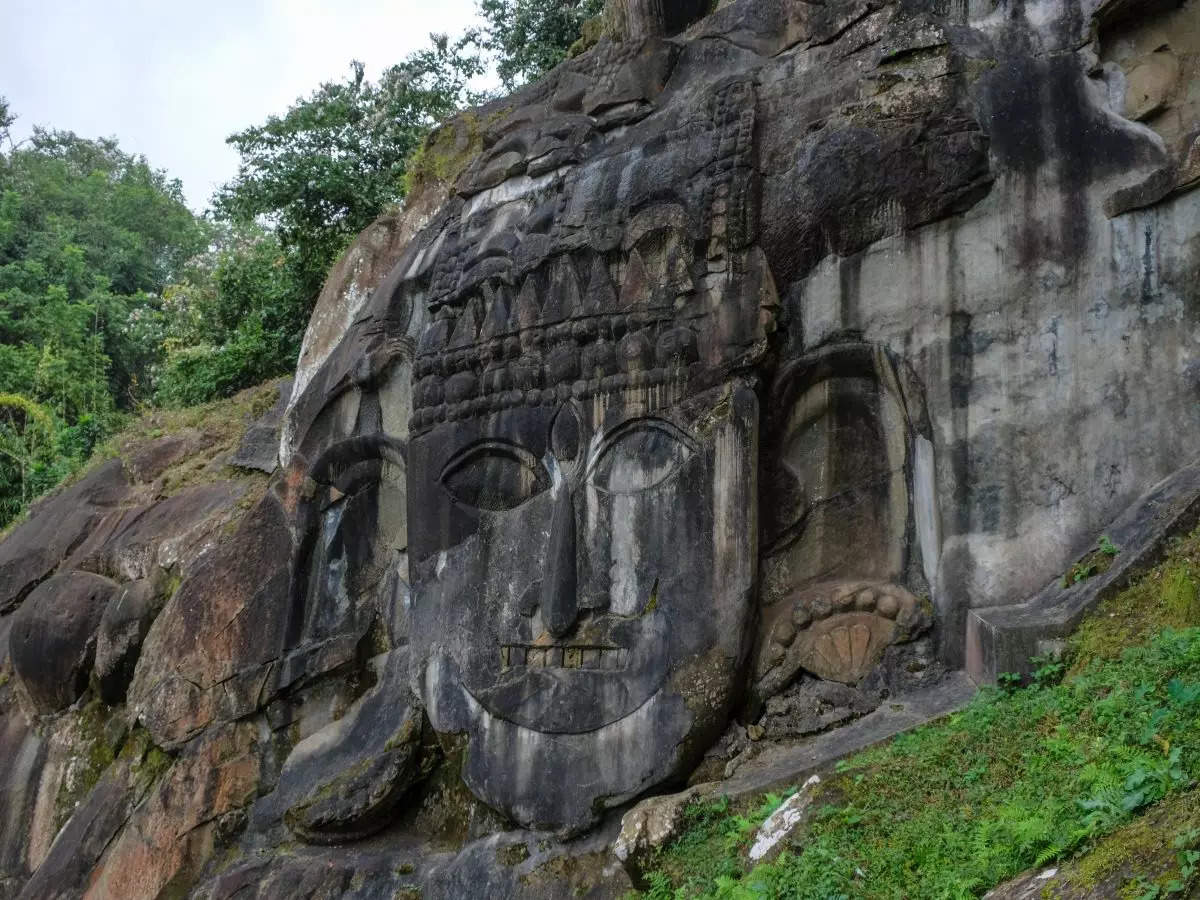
<point x="27" y="432"/>
<point x="90" y="236"/>
<point x="234" y="322"/>
<point x="530" y="37"/>
<point x="6" y="120"/>
<point x="325" y="169"/>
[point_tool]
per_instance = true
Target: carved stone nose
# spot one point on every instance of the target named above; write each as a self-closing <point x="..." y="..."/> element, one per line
<point x="560" y="606"/>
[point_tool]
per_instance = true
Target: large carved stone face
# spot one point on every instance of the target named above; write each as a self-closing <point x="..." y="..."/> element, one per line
<point x="581" y="470"/>
<point x="574" y="561"/>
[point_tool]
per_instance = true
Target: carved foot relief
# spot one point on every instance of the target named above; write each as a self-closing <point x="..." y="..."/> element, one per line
<point x="837" y="631"/>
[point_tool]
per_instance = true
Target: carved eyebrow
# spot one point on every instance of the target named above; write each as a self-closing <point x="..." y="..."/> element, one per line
<point x="485" y="447"/>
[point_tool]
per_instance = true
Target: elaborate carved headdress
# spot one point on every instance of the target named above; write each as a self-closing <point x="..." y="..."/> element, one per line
<point x="603" y="292"/>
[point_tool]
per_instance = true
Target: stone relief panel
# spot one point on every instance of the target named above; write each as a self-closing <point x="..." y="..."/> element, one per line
<point x="841" y="537"/>
<point x="616" y="507"/>
<point x="1153" y="59"/>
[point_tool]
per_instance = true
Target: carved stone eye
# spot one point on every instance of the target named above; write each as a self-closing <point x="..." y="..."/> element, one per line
<point x="494" y="476"/>
<point x="640" y="455"/>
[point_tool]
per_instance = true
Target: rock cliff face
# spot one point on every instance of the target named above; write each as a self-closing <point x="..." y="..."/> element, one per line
<point x="737" y="372"/>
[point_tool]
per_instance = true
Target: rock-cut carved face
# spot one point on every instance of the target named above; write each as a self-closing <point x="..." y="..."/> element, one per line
<point x="569" y="553"/>
<point x="581" y="472"/>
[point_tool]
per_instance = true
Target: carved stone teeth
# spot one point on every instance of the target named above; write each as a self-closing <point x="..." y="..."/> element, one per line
<point x="593" y="658"/>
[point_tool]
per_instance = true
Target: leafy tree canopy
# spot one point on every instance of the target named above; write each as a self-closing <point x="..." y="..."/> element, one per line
<point x="89" y="238"/>
<point x="325" y="169"/>
<point x="530" y="37"/>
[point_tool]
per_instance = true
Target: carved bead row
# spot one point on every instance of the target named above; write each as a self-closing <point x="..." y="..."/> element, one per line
<point x="581" y="332"/>
<point x="562" y="364"/>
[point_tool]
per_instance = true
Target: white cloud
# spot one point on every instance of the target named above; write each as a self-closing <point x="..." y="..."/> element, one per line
<point x="173" y="79"/>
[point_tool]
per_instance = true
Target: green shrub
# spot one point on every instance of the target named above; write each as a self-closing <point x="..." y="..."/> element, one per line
<point x="1018" y="779"/>
<point x="1181" y="597"/>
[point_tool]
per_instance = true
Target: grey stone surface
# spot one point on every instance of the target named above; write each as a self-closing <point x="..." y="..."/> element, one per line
<point x="649" y="827"/>
<point x="790" y="764"/>
<point x="55" y="528"/>
<point x="123" y="626"/>
<point x="1007" y="638"/>
<point x="741" y="377"/>
<point x="53" y="638"/>
<point x="347" y="780"/>
<point x="259" y="448"/>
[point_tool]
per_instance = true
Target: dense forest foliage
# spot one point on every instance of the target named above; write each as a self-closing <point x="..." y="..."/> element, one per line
<point x="114" y="295"/>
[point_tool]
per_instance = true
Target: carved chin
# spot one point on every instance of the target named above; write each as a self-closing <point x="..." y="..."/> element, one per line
<point x="563" y="782"/>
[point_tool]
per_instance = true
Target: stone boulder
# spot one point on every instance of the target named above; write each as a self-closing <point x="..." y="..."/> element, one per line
<point x="259" y="448"/>
<point x="211" y="654"/>
<point x="55" y="527"/>
<point x="53" y="638"/>
<point x="123" y="626"/>
<point x="347" y="780"/>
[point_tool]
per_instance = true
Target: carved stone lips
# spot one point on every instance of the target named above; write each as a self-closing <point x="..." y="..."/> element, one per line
<point x="579" y="656"/>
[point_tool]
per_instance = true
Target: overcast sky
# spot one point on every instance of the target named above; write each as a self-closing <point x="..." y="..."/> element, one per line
<point x="172" y="79"/>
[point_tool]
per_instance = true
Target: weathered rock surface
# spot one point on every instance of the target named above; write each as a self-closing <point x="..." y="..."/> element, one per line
<point x="259" y="448"/>
<point x="123" y="626"/>
<point x="346" y="781"/>
<point x="55" y="528"/>
<point x="1006" y="638"/>
<point x="649" y="827"/>
<point x="748" y="375"/>
<point x="53" y="638"/>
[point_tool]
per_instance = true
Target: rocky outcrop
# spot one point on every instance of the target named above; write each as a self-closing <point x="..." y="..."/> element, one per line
<point x="707" y="406"/>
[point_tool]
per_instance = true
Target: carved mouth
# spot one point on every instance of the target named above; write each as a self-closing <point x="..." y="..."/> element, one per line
<point x="582" y="657"/>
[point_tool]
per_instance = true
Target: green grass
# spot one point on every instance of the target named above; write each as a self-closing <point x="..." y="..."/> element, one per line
<point x="1018" y="779"/>
<point x="224" y="421"/>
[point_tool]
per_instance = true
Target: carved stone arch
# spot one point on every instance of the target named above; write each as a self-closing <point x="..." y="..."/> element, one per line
<point x="848" y="524"/>
<point x="839" y="449"/>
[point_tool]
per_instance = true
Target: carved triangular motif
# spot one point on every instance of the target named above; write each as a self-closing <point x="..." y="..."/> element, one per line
<point x="525" y="312"/>
<point x="601" y="295"/>
<point x="636" y="288"/>
<point x="466" y="332"/>
<point x="435" y="337"/>
<point x="496" y="322"/>
<point x="564" y="299"/>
